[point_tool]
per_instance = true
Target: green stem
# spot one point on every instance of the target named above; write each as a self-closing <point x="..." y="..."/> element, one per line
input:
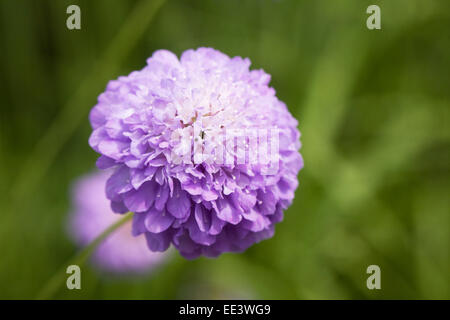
<point x="52" y="286"/>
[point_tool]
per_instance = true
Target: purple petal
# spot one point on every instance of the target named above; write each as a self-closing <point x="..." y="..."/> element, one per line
<point x="227" y="212"/>
<point x="255" y="222"/>
<point x="103" y="162"/>
<point x="118" y="207"/>
<point x="193" y="188"/>
<point x="97" y="136"/>
<point x="112" y="148"/>
<point x="203" y="218"/>
<point x="138" y="224"/>
<point x="158" y="242"/>
<point x="187" y="247"/>
<point x="209" y="195"/>
<point x="179" y="204"/>
<point x="118" y="183"/>
<point x="198" y="236"/>
<point x="216" y="224"/>
<point x="286" y="188"/>
<point x="141" y="200"/>
<point x="267" y="201"/>
<point x="244" y="200"/>
<point x="161" y="197"/>
<point x="138" y="177"/>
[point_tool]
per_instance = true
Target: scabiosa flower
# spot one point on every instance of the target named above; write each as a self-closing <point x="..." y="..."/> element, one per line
<point x="91" y="215"/>
<point x="195" y="155"/>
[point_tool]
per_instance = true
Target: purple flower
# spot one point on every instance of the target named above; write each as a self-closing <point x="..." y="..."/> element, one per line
<point x="204" y="152"/>
<point x="120" y="252"/>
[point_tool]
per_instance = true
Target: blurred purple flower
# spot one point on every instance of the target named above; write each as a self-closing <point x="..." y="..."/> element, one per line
<point x="150" y="126"/>
<point x="92" y="214"/>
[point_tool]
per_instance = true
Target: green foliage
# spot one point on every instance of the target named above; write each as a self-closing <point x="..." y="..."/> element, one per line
<point x="373" y="108"/>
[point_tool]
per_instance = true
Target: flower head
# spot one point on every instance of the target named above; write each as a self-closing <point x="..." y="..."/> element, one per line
<point x="204" y="152"/>
<point x="92" y="214"/>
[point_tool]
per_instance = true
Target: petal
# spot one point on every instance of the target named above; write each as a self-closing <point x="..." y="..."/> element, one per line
<point x="286" y="188"/>
<point x="251" y="215"/>
<point x="193" y="188"/>
<point x="209" y="195"/>
<point x="161" y="197"/>
<point x="277" y="216"/>
<point x="97" y="136"/>
<point x="97" y="118"/>
<point x="118" y="183"/>
<point x="227" y="212"/>
<point x="158" y="242"/>
<point x="244" y="200"/>
<point x="267" y="201"/>
<point x="104" y="162"/>
<point x="112" y="148"/>
<point x="185" y="244"/>
<point x="141" y="200"/>
<point x="257" y="223"/>
<point x="216" y="224"/>
<point x="139" y="176"/>
<point x="114" y="129"/>
<point x="158" y="221"/>
<point x="179" y="205"/>
<point x="200" y="237"/>
<point x="138" y="224"/>
<point x="118" y="207"/>
<point x="203" y="218"/>
<point x="165" y="56"/>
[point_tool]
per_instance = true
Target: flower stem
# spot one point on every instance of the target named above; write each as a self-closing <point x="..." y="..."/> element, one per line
<point x="52" y="286"/>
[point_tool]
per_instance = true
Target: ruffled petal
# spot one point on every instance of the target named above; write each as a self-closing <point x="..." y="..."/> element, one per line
<point x="142" y="199"/>
<point x="179" y="204"/>
<point x="227" y="212"/>
<point x="158" y="242"/>
<point x="157" y="221"/>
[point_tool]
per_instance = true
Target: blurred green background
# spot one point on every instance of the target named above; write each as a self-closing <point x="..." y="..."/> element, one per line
<point x="373" y="108"/>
